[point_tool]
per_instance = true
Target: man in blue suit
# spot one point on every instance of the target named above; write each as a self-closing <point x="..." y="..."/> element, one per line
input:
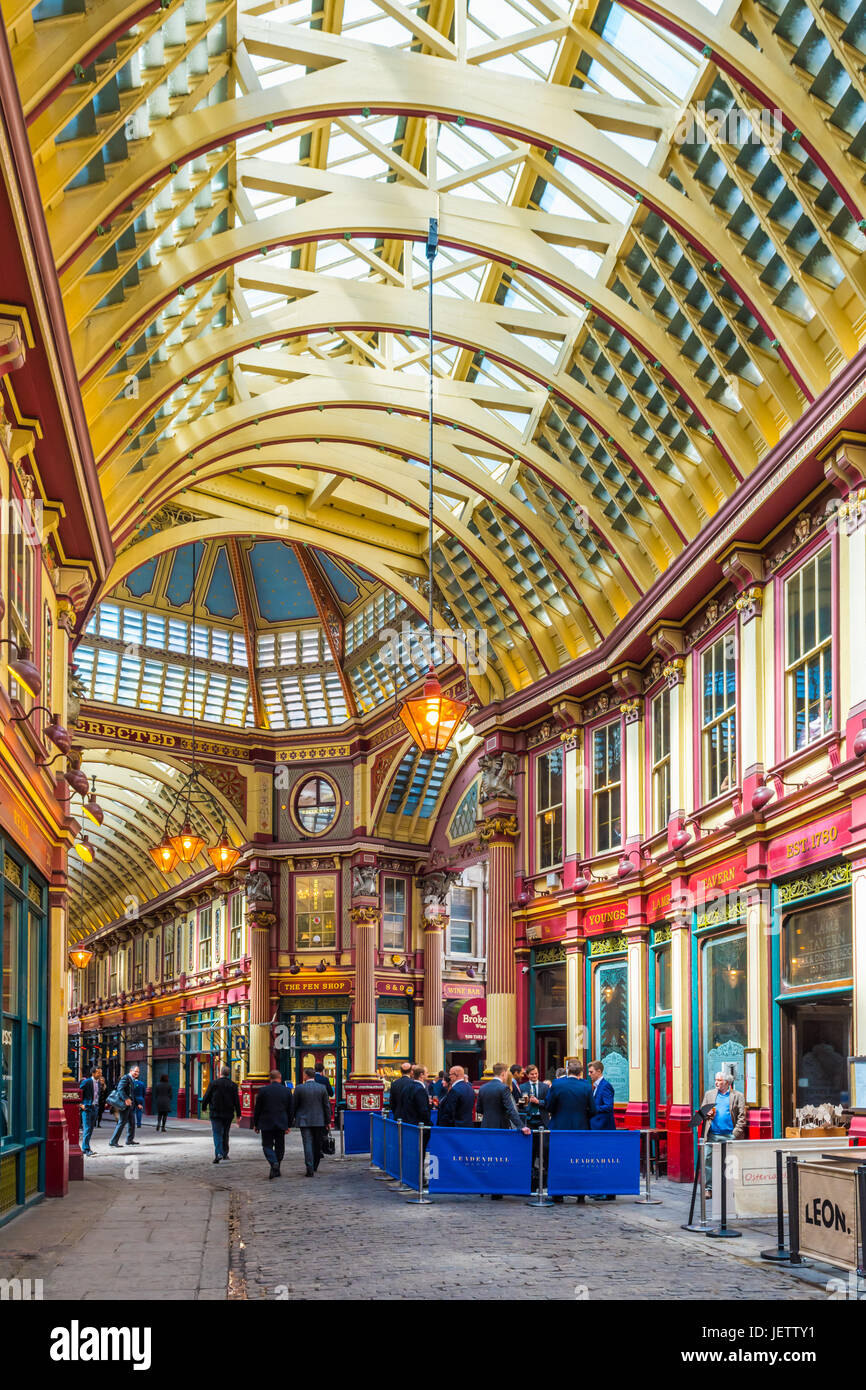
<point x="602" y="1107"/>
<point x="457" y="1105"/>
<point x="569" y="1104"/>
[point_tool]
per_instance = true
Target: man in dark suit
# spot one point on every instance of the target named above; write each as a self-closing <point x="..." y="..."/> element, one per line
<point x="271" y="1118"/>
<point x="533" y="1096"/>
<point x="602" y="1116"/>
<point x="495" y="1105"/>
<point x="569" y="1104"/>
<point x="457" y="1105"/>
<point x="311" y="1112"/>
<point x="415" y="1099"/>
<point x="224" y="1100"/>
<point x="397" y="1088"/>
<point x="322" y="1080"/>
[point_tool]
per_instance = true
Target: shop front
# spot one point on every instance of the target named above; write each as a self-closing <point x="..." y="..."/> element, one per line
<point x="23" y="1042"/>
<point x="202" y="1056"/>
<point x="548" y="1007"/>
<point x="661" y="1025"/>
<point x="166" y="1058"/>
<point x="607" y="965"/>
<point x="464" y="1028"/>
<point x="813" y="984"/>
<point x="720" y="1022"/>
<point x="395" y="1040"/>
<point x="314" y="1031"/>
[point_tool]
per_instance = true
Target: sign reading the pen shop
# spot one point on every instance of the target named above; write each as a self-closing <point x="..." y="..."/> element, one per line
<point x="828" y="1214"/>
<point x="325" y="984"/>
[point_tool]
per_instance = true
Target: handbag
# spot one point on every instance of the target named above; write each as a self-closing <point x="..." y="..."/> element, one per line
<point x="328" y="1144"/>
<point x="116" y="1100"/>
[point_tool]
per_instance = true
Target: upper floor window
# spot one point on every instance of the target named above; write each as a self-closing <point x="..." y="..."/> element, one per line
<point x="236" y="927"/>
<point x="205" y="939"/>
<point x="809" y="651"/>
<point x="316" y="911"/>
<point x="168" y="952"/>
<point x="138" y="963"/>
<point x="462" y="935"/>
<point x="607" y="786"/>
<point x="719" y="717"/>
<point x="660" y="717"/>
<point x="316" y="805"/>
<point x="548" y="809"/>
<point x="394" y="914"/>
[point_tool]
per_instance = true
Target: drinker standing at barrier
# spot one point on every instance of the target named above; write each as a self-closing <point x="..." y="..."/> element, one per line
<point x="569" y="1104"/>
<point x="495" y="1106"/>
<point x="602" y="1116"/>
<point x="395" y="1095"/>
<point x="457" y="1105"/>
<point x="726" y="1110"/>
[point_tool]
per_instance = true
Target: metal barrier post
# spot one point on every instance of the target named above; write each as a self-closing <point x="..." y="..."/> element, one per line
<point x="541" y="1198"/>
<point x="702" y="1226"/>
<point x="780" y="1253"/>
<point x="647" y="1200"/>
<point x="422" y="1200"/>
<point x="724" y="1232"/>
<point x="372" y="1165"/>
<point x="342" y="1140"/>
<point x="861" y="1202"/>
<point x="794" y="1209"/>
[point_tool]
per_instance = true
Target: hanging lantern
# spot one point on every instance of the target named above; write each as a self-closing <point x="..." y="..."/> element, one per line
<point x="187" y="844"/>
<point x="84" y="849"/>
<point x="59" y="736"/>
<point x="25" y="673"/>
<point x="80" y="958"/>
<point x="432" y="718"/>
<point x="164" y="855"/>
<point x="224" y="856"/>
<point x="92" y="808"/>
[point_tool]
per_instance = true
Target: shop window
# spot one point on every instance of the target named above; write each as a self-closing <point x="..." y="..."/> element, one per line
<point x="394" y="897"/>
<point x="47" y="695"/>
<point x="818" y="946"/>
<point x="23" y="546"/>
<point x="607" y="786"/>
<point x="719" y="717"/>
<point x="809" y="651"/>
<point x="549" y="996"/>
<point x="393" y="1035"/>
<point x="316" y="805"/>
<point x="461" y="922"/>
<point x="315" y="912"/>
<point x="548" y="809"/>
<point x="205" y="939"/>
<point x="318" y="1031"/>
<point x="217" y="937"/>
<point x="723" y="1006"/>
<point x="168" y="952"/>
<point x="236" y="927"/>
<point x="663" y="978"/>
<point x="610" y="1022"/>
<point x="660" y="716"/>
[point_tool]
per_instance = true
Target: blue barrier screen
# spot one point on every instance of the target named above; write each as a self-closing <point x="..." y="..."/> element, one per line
<point x="597" y="1162"/>
<point x="377" y="1154"/>
<point x="410" y="1139"/>
<point x="356" y="1131"/>
<point x="392" y="1151"/>
<point x="483" y="1160"/>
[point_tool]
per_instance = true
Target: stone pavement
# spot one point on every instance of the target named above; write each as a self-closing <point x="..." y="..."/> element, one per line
<point x="166" y="1223"/>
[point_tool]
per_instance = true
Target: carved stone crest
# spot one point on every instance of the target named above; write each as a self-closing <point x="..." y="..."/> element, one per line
<point x="258" y="887"/>
<point x="365" y="881"/>
<point x="497" y="775"/>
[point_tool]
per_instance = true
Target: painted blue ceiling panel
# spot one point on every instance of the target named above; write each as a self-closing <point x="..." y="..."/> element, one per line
<point x="140" y="582"/>
<point x="221" y="600"/>
<point x="282" y="592"/>
<point x="178" y="590"/>
<point x="345" y="588"/>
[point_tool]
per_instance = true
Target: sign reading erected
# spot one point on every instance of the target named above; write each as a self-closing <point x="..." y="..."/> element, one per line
<point x="828" y="1214"/>
<point x="472" y="1020"/>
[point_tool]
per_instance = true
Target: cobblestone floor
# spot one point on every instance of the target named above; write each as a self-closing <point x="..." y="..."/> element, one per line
<point x="165" y="1223"/>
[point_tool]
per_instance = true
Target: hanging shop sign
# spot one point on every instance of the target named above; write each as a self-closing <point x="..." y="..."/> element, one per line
<point x="323" y="984"/>
<point x="452" y="989"/>
<point x="472" y="1020"/>
<point x="822" y="839"/>
<point x="401" y="987"/>
<point x="606" y="917"/>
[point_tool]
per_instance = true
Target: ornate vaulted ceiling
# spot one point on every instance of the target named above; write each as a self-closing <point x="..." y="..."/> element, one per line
<point x="650" y="219"/>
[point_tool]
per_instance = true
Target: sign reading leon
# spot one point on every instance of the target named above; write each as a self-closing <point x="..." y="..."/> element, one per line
<point x="472" y="1020"/>
<point x="828" y="1214"/>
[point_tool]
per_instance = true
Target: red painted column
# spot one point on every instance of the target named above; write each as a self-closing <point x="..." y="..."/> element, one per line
<point x="498" y="833"/>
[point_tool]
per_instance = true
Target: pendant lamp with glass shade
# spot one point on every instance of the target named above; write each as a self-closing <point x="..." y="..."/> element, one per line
<point x="431" y="718"/>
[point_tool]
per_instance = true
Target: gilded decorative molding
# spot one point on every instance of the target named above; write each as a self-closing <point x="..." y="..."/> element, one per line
<point x="549" y="955"/>
<point x="305" y="755"/>
<point x="734" y="910"/>
<point x="674" y="672"/>
<point x="661" y="935"/>
<point x="498" y="828"/>
<point x="608" y="945"/>
<point x="631" y="710"/>
<point x="364" y="915"/>
<point x="837" y="876"/>
<point x="750" y="603"/>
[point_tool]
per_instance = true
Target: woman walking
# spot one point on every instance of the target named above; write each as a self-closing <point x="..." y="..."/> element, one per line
<point x="162" y="1097"/>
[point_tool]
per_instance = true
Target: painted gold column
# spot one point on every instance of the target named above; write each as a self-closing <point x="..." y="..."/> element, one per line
<point x="62" y="1091"/>
<point x="498" y="834"/>
<point x="365" y="917"/>
<point x="432" y="1041"/>
<point x="577" y="1033"/>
